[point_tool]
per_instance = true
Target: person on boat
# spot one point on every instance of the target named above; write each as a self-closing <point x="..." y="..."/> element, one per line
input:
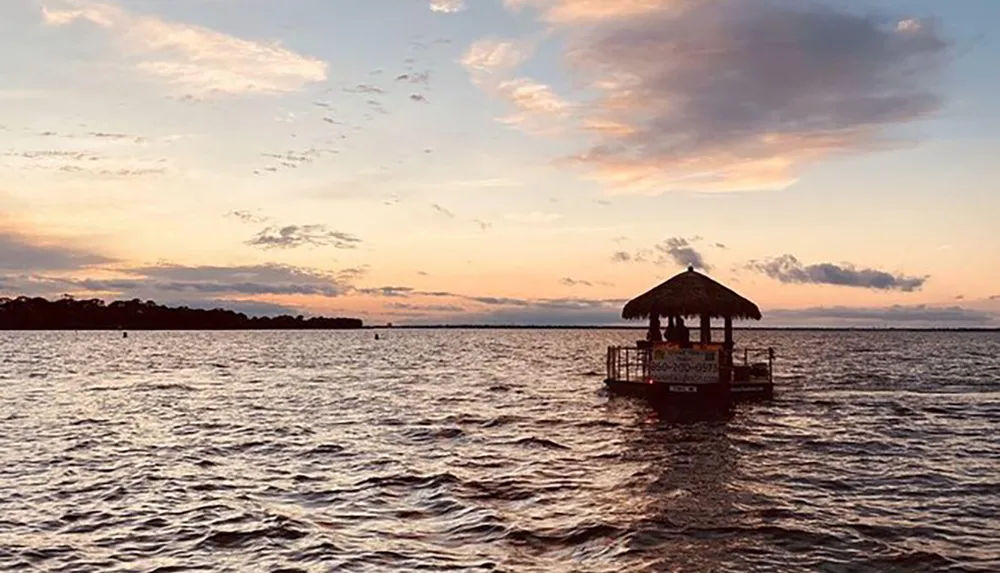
<point x="653" y="334"/>
<point x="683" y="333"/>
<point x="671" y="330"/>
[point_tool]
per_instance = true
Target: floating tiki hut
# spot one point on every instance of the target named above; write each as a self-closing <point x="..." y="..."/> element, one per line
<point x="670" y="365"/>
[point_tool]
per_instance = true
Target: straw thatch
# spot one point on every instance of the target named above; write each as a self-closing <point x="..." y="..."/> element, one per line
<point x="691" y="294"/>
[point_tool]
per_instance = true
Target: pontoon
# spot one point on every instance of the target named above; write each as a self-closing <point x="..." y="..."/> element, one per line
<point x="675" y="368"/>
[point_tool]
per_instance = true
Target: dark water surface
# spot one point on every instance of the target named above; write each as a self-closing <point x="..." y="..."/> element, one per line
<point x="489" y="450"/>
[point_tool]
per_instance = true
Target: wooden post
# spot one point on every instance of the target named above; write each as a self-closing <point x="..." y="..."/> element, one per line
<point x="727" y="349"/>
<point x="706" y="329"/>
<point x="607" y="364"/>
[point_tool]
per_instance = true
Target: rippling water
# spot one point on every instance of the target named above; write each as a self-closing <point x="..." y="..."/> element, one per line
<point x="489" y="450"/>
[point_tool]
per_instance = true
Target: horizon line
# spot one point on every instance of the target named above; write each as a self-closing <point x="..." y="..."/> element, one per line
<point x="391" y="326"/>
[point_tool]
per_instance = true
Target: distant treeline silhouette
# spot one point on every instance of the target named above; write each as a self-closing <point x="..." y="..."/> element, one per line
<point x="68" y="313"/>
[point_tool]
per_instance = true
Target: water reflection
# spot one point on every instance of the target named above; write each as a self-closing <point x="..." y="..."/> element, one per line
<point x="683" y="497"/>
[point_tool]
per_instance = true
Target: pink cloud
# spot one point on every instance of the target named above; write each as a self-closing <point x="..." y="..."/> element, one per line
<point x="733" y="95"/>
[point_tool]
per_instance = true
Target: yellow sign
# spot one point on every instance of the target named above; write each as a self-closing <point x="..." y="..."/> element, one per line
<point x="674" y="365"/>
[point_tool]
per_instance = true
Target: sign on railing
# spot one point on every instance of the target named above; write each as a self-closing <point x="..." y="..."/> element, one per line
<point x="674" y="365"/>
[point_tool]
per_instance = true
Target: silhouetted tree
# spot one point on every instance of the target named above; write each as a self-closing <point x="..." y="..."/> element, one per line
<point x="68" y="313"/>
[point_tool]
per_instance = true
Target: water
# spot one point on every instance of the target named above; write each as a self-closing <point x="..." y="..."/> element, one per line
<point x="489" y="450"/>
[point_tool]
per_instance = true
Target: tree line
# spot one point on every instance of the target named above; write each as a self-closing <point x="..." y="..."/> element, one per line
<point x="68" y="313"/>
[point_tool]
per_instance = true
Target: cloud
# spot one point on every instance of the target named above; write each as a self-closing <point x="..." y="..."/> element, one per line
<point x="917" y="315"/>
<point x="387" y="291"/>
<point x="294" y="236"/>
<point x="537" y="106"/>
<point x="493" y="304"/>
<point x="447" y="6"/>
<point x="501" y="310"/>
<point x="195" y="60"/>
<point x="589" y="11"/>
<point x="442" y="210"/>
<point x="788" y="269"/>
<point x="570" y="282"/>
<point x="679" y="251"/>
<point x="734" y="95"/>
<point x="423" y="309"/>
<point x="482" y="309"/>
<point x="21" y="253"/>
<point x="415" y="77"/>
<point x="621" y="257"/>
<point x="247" y="216"/>
<point x="83" y="162"/>
<point x="167" y="282"/>
<point x="544" y="312"/>
<point x="490" y="60"/>
<point x="365" y="89"/>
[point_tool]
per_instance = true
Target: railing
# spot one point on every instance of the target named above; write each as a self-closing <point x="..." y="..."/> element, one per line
<point x="631" y="363"/>
<point x="755" y="359"/>
<point x="628" y="363"/>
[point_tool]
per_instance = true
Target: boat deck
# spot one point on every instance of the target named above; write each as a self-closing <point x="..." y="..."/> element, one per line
<point x="631" y="371"/>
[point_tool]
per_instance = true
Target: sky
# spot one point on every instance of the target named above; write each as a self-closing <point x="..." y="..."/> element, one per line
<point x="504" y="161"/>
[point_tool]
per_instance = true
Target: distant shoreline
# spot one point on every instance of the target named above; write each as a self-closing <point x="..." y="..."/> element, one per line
<point x="67" y="313"/>
<point x="643" y="328"/>
<point x="5" y="328"/>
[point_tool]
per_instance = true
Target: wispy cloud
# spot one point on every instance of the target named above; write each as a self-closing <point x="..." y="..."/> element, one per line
<point x="447" y="6"/>
<point x="443" y="211"/>
<point x="20" y="252"/>
<point x="916" y="315"/>
<point x="788" y="269"/>
<point x="571" y="282"/>
<point x="589" y="11"/>
<point x="294" y="236"/>
<point x="247" y="216"/>
<point x="83" y="162"/>
<point x="483" y="309"/>
<point x="195" y="60"/>
<point x="491" y="60"/>
<point x="536" y="106"/>
<point x="681" y="252"/>
<point x="387" y="291"/>
<point x="169" y="282"/>
<point x="621" y="257"/>
<point x="678" y="251"/>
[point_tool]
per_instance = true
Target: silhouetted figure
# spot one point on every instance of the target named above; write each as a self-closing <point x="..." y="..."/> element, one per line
<point x="653" y="334"/>
<point x="124" y="335"/>
<point x="376" y="336"/>
<point x="683" y="334"/>
<point x="671" y="330"/>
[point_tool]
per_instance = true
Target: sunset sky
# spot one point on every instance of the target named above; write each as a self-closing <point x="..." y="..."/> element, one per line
<point x="504" y="161"/>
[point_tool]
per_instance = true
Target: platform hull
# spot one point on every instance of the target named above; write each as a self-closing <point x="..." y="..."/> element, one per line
<point x="693" y="394"/>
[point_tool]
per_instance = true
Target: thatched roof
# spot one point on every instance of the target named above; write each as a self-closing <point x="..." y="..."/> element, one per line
<point x="691" y="294"/>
